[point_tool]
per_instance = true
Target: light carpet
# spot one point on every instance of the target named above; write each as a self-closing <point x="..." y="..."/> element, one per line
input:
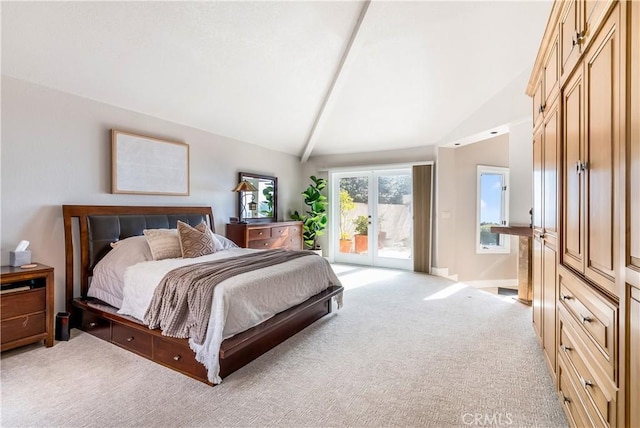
<point x="407" y="349"/>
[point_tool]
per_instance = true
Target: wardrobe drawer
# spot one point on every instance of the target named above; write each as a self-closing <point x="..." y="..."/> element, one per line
<point x="22" y="303"/>
<point x="259" y="233"/>
<point x="572" y="335"/>
<point x="573" y="407"/>
<point x="22" y="327"/>
<point x="599" y="391"/>
<point x="177" y="356"/>
<point x="131" y="339"/>
<point x="597" y="316"/>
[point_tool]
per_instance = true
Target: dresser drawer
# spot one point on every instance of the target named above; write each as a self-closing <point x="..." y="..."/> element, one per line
<point x="131" y="339"/>
<point x="23" y="326"/>
<point x="573" y="407"/>
<point x="263" y="244"/>
<point x="599" y="391"/>
<point x="292" y="243"/>
<point x="259" y="233"/>
<point x="96" y="326"/>
<point x="597" y="316"/>
<point x="177" y="356"/>
<point x="23" y="302"/>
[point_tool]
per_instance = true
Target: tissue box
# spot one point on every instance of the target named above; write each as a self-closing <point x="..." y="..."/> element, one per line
<point x="19" y="258"/>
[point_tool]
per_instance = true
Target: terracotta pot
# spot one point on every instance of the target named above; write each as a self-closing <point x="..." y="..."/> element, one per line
<point x="345" y="245"/>
<point x="362" y="243"/>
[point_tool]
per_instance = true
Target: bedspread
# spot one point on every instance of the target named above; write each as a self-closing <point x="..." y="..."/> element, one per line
<point x="238" y="303"/>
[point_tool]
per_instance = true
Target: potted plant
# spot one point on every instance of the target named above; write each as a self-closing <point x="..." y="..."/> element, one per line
<point x="314" y="220"/>
<point x="346" y="206"/>
<point x="362" y="232"/>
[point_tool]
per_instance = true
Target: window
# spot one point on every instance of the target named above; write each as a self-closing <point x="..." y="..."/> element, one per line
<point x="493" y="209"/>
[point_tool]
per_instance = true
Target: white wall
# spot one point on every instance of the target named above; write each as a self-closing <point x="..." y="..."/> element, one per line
<point x="520" y="172"/>
<point x="56" y="150"/>
<point x="456" y="212"/>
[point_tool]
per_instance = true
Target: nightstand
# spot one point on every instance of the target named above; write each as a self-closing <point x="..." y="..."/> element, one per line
<point x="26" y="306"/>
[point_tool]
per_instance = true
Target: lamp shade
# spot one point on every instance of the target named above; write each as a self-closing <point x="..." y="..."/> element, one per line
<point x="244" y="186"/>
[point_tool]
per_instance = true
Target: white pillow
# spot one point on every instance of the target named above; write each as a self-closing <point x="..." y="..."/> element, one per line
<point x="223" y="243"/>
<point x="164" y="243"/>
<point x="108" y="274"/>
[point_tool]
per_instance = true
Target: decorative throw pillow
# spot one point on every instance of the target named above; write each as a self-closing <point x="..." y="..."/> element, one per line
<point x="164" y="243"/>
<point x="195" y="241"/>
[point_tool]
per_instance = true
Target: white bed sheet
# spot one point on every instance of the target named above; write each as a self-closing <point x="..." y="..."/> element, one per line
<point x="238" y="303"/>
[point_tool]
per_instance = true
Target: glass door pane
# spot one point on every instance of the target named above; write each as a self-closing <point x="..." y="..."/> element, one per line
<point x="394" y="225"/>
<point x="354" y="217"/>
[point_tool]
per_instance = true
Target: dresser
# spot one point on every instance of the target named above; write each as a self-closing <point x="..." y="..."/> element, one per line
<point x="285" y="234"/>
<point x="26" y="306"/>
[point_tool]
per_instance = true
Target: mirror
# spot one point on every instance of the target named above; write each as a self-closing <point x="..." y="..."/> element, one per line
<point x="262" y="204"/>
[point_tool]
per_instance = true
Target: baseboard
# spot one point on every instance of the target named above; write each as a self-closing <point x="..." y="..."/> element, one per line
<point x="489" y="283"/>
<point x="444" y="273"/>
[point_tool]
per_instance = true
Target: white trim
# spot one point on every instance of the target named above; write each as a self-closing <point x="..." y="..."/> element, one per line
<point x="505" y="248"/>
<point x="374" y="167"/>
<point x="490" y="283"/>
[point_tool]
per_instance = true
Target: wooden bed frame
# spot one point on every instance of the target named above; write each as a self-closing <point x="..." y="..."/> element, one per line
<point x="101" y="320"/>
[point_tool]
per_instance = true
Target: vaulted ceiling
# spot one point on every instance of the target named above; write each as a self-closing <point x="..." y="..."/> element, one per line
<point x="305" y="78"/>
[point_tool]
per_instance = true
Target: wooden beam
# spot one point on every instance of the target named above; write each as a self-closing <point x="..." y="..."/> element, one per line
<point x="329" y="97"/>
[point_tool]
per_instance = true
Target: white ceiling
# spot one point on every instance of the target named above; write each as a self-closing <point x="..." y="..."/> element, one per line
<point x="260" y="71"/>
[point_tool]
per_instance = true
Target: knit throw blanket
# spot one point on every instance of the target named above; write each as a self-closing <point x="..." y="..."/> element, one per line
<point x="181" y="304"/>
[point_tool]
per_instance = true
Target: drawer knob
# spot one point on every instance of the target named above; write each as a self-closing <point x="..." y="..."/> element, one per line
<point x="585" y="382"/>
<point x="566" y="348"/>
<point x="266" y="244"/>
<point x="584" y="319"/>
<point x="177" y="357"/>
<point x="92" y="324"/>
<point x="566" y="297"/>
<point x="259" y="233"/>
<point x="565" y="398"/>
<point x="130" y="339"/>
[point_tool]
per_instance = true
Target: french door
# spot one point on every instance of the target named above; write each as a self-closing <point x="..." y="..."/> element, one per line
<point x="372" y="218"/>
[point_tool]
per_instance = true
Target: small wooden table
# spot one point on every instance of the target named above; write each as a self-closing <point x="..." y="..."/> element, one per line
<point x="525" y="257"/>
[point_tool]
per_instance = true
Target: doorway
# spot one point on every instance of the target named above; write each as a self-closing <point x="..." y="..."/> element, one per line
<point x="372" y="218"/>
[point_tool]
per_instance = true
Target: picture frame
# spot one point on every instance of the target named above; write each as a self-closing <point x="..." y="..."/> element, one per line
<point x="148" y="166"/>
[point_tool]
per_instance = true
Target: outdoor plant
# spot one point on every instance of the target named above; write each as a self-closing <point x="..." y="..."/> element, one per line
<point x="314" y="220"/>
<point x="346" y="206"/>
<point x="362" y="225"/>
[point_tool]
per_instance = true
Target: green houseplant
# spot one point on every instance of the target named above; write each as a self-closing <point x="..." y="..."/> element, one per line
<point x="314" y="220"/>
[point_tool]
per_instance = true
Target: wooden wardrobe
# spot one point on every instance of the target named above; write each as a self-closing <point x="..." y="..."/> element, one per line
<point x="585" y="87"/>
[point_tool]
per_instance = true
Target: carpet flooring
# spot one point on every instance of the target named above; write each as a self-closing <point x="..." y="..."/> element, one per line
<point x="407" y="349"/>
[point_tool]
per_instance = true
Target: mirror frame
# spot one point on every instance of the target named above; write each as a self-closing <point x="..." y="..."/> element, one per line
<point x="244" y="176"/>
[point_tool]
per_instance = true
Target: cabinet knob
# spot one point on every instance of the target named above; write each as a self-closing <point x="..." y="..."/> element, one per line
<point x="177" y="357"/>
<point x="92" y="324"/>
<point x="130" y="339"/>
<point x="566" y="348"/>
<point x="585" y="382"/>
<point x="565" y="398"/>
<point x="584" y="319"/>
<point x="566" y="297"/>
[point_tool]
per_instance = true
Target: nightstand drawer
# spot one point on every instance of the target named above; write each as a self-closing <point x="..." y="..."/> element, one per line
<point x="259" y="233"/>
<point x="23" y="326"/>
<point x="177" y="356"/>
<point x="131" y="339"/>
<point x="23" y="302"/>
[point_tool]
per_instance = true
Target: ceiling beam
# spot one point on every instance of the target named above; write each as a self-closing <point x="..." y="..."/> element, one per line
<point x="330" y="96"/>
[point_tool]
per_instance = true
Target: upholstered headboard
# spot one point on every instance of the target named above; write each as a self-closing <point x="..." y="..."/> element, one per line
<point x="99" y="226"/>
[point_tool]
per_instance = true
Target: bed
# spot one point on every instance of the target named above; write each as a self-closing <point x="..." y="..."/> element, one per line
<point x="90" y="234"/>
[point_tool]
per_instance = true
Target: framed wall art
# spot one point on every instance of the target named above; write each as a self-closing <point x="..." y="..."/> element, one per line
<point x="147" y="165"/>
